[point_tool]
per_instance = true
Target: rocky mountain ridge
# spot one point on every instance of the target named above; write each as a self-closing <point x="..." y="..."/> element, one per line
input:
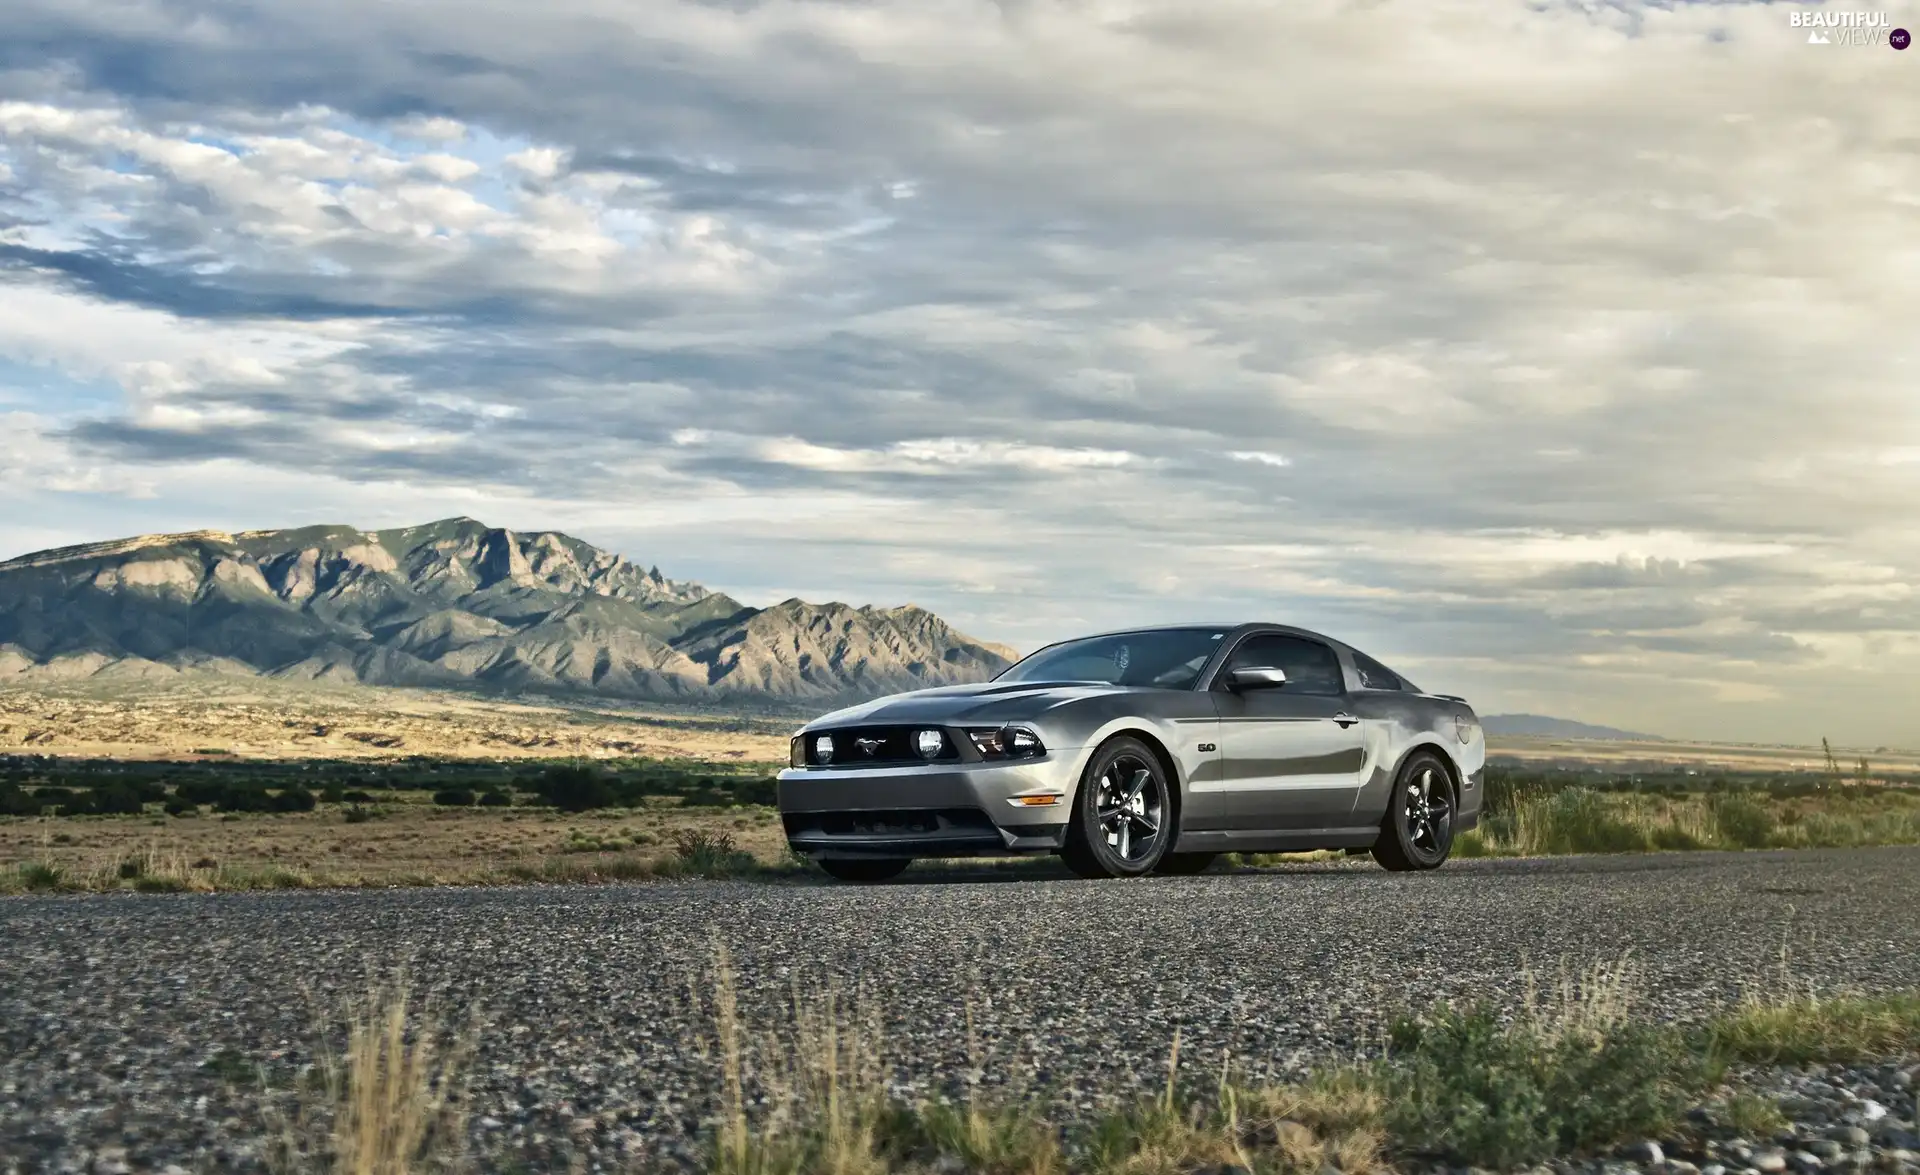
<point x="455" y="603"/>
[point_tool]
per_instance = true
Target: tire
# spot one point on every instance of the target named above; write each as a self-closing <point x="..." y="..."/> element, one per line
<point x="1417" y="832"/>
<point x="1122" y="813"/>
<point x="864" y="871"/>
<point x="1185" y="864"/>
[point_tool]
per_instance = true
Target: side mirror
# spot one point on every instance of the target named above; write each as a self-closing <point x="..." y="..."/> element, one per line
<point x="1256" y="677"/>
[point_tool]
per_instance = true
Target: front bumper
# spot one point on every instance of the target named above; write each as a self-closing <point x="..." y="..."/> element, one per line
<point x="928" y="810"/>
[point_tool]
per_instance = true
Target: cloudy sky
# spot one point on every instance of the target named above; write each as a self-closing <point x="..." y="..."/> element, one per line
<point x="1565" y="355"/>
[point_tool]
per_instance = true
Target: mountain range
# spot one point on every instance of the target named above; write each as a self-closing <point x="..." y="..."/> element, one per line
<point x="461" y="604"/>
<point x="453" y="603"/>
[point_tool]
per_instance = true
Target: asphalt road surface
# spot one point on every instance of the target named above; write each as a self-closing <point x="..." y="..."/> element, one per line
<point x="131" y="1028"/>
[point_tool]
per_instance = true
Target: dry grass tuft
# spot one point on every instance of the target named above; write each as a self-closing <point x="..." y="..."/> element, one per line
<point x="1337" y="1116"/>
<point x="821" y="1105"/>
<point x="393" y="1104"/>
<point x="1584" y="1005"/>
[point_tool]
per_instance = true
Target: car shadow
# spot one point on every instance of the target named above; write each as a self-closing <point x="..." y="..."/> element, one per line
<point x="1005" y="871"/>
<point x="1031" y="869"/>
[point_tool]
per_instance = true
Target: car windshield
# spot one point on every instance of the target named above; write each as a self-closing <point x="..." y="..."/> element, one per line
<point x="1166" y="658"/>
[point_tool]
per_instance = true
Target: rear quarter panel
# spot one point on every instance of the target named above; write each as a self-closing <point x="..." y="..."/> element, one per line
<point x="1399" y="724"/>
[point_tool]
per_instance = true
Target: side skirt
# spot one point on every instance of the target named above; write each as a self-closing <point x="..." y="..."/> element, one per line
<point x="1276" y="840"/>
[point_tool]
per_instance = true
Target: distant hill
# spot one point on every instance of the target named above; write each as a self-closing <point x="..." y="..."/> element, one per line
<point x="1540" y="726"/>
<point x="451" y="603"/>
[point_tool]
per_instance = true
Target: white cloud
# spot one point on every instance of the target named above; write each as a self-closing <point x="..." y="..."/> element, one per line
<point x="1276" y="460"/>
<point x="1582" y="333"/>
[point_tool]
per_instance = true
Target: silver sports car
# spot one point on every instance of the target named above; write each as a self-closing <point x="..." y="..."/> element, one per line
<point x="1151" y="750"/>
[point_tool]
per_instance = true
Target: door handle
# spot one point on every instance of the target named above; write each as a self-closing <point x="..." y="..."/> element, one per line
<point x="1345" y="720"/>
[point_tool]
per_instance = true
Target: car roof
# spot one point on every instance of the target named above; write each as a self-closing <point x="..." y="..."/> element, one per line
<point x="1235" y="627"/>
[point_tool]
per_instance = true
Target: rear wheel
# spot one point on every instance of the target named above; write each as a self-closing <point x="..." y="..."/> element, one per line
<point x="863" y="871"/>
<point x="1418" y="831"/>
<point x="1122" y="813"/>
<point x="1186" y="864"/>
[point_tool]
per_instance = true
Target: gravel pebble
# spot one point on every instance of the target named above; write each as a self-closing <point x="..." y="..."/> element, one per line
<point x="136" y="1029"/>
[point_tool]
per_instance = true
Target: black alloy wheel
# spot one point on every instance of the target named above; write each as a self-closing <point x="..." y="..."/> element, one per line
<point x="1418" y="830"/>
<point x="863" y="870"/>
<point x="1122" y="813"/>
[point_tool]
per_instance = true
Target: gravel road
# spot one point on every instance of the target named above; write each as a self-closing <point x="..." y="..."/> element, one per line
<point x="592" y="1000"/>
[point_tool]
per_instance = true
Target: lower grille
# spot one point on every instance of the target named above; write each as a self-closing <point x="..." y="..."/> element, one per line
<point x="934" y="823"/>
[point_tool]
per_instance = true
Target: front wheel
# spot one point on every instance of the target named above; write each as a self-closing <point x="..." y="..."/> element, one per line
<point x="1122" y="813"/>
<point x="1418" y="831"/>
<point x="863" y="871"/>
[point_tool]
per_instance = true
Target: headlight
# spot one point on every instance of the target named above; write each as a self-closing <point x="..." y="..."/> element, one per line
<point x="796" y="751"/>
<point x="928" y="742"/>
<point x="823" y="749"/>
<point x="1007" y="742"/>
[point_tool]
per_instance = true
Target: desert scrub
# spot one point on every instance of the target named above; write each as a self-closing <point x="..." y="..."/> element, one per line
<point x="589" y="842"/>
<point x="38" y="876"/>
<point x="1575" y="820"/>
<point x="703" y="853"/>
<point x="1741" y="822"/>
<point x="1477" y="1091"/>
<point x="1536" y="820"/>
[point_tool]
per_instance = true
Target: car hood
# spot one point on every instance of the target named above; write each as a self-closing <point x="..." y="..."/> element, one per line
<point x="986" y="704"/>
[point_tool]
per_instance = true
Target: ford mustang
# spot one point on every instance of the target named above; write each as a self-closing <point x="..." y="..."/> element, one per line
<point x="1146" y="751"/>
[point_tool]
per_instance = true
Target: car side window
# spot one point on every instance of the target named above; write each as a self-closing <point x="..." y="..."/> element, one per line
<point x="1374" y="675"/>
<point x="1310" y="666"/>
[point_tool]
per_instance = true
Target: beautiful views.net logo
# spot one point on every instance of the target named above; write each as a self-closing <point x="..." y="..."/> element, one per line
<point x="1849" y="28"/>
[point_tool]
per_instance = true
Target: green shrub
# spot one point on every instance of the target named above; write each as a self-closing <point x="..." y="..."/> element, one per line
<point x="493" y="797"/>
<point x="453" y="797"/>
<point x="332" y="794"/>
<point x="15" y="802"/>
<point x="1741" y="822"/>
<point x="1501" y="1096"/>
<point x="356" y="814"/>
<point x="294" y="799"/>
<point x="179" y="807"/>
<point x="242" y="799"/>
<point x="200" y="791"/>
<point x="39" y="876"/>
<point x="574" y="789"/>
<point x="764" y="791"/>
<point x="1675" y="840"/>
<point x="114" y="799"/>
<point x="1471" y="843"/>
